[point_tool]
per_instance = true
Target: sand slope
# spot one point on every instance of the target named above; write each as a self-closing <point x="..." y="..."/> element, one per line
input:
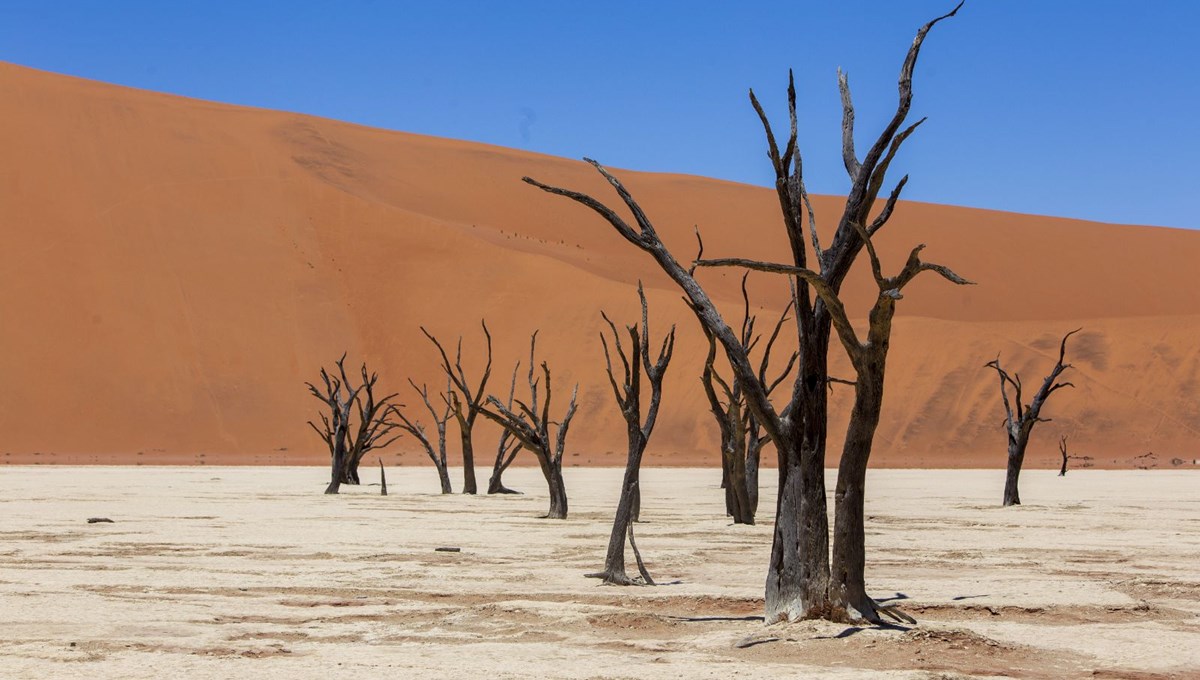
<point x="174" y="270"/>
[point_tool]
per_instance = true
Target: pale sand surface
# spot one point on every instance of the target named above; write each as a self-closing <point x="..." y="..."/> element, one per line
<point x="251" y="572"/>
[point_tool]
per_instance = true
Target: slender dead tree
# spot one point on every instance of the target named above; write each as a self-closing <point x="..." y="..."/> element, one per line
<point x="344" y="400"/>
<point x="531" y="427"/>
<point x="1062" y="448"/>
<point x="628" y="392"/>
<point x="417" y="430"/>
<point x="742" y="440"/>
<point x="465" y="399"/>
<point x="382" y="479"/>
<point x="1019" y="417"/>
<point x="508" y="446"/>
<point x="798" y="576"/>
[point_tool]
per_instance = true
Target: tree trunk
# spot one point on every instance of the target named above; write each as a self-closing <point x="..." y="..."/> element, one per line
<point x="558" y="493"/>
<point x="614" y="559"/>
<point x="847" y="583"/>
<point x="753" y="459"/>
<point x="382" y="479"/>
<point x="444" y="478"/>
<point x="1016" y="457"/>
<point x="798" y="575"/>
<point x="737" y="500"/>
<point x="468" y="454"/>
<point x="338" y="464"/>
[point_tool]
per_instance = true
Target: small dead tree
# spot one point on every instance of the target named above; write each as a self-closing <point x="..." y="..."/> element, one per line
<point x="507" y="448"/>
<point x="1019" y="417"/>
<point x="417" y="430"/>
<point x="742" y="440"/>
<point x="382" y="479"/>
<point x="465" y="400"/>
<point x="1062" y="448"/>
<point x="531" y="427"/>
<point x="374" y="423"/>
<point x="628" y="392"/>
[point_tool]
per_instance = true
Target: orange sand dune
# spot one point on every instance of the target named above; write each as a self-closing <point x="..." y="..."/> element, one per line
<point x="174" y="270"/>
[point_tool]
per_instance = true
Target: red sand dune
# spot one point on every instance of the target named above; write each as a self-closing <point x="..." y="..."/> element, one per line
<point x="173" y="271"/>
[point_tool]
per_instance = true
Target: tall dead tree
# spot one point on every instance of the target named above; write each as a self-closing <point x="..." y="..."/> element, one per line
<point x="1019" y="417"/>
<point x="869" y="358"/>
<point x="531" y="427"/>
<point x="628" y="392"/>
<point x="417" y="430"/>
<point x="798" y="576"/>
<point x="507" y="448"/>
<point x="742" y="440"/>
<point x="349" y="444"/>
<point x="465" y="400"/>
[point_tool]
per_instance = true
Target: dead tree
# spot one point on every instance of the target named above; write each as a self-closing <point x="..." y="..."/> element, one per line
<point x="417" y="430"/>
<point x="869" y="358"/>
<point x="465" y="400"/>
<point x="374" y="425"/>
<point x="628" y="392"/>
<point x="1019" y="417"/>
<point x="531" y="427"/>
<point x="382" y="479"/>
<point x="1062" y="448"/>
<point x="742" y="440"/>
<point x="507" y="448"/>
<point x="798" y="577"/>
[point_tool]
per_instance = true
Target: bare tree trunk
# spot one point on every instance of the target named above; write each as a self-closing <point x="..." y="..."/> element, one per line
<point x="507" y="448"/>
<point x="338" y="465"/>
<point x="558" y="492"/>
<point x="1062" y="448"/>
<point x="1016" y="457"/>
<point x="382" y="479"/>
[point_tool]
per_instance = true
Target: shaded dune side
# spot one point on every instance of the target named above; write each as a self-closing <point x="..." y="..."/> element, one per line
<point x="174" y="270"/>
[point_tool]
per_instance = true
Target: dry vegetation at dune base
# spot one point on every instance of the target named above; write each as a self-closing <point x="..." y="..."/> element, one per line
<point x="252" y="572"/>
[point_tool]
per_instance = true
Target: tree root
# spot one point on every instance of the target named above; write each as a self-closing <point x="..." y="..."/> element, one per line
<point x="638" y="556"/>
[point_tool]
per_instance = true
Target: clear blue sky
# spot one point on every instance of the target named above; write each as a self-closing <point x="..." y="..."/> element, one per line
<point x="1080" y="108"/>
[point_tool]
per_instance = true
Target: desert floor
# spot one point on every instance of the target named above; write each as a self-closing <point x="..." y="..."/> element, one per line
<point x="252" y="572"/>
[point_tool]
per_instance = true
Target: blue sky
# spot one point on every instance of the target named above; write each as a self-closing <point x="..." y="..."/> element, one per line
<point x="1079" y="108"/>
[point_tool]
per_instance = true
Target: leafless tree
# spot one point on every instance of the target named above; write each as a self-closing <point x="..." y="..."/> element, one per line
<point x="465" y="400"/>
<point x="508" y="446"/>
<point x="374" y="421"/>
<point x="1019" y="417"/>
<point x="531" y="427"/>
<point x="628" y="392"/>
<point x="799" y="576"/>
<point x="417" y="430"/>
<point x="1062" y="448"/>
<point x="869" y="359"/>
<point x="742" y="439"/>
<point x="382" y="479"/>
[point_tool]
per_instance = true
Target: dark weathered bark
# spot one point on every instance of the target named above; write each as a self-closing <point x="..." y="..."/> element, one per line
<point x="417" y="430"/>
<point x="798" y="574"/>
<point x="382" y="479"/>
<point x="507" y="448"/>
<point x="1019" y="417"/>
<point x="375" y="422"/>
<point x="628" y="393"/>
<point x="531" y="427"/>
<point x="1062" y="448"/>
<point x="465" y="400"/>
